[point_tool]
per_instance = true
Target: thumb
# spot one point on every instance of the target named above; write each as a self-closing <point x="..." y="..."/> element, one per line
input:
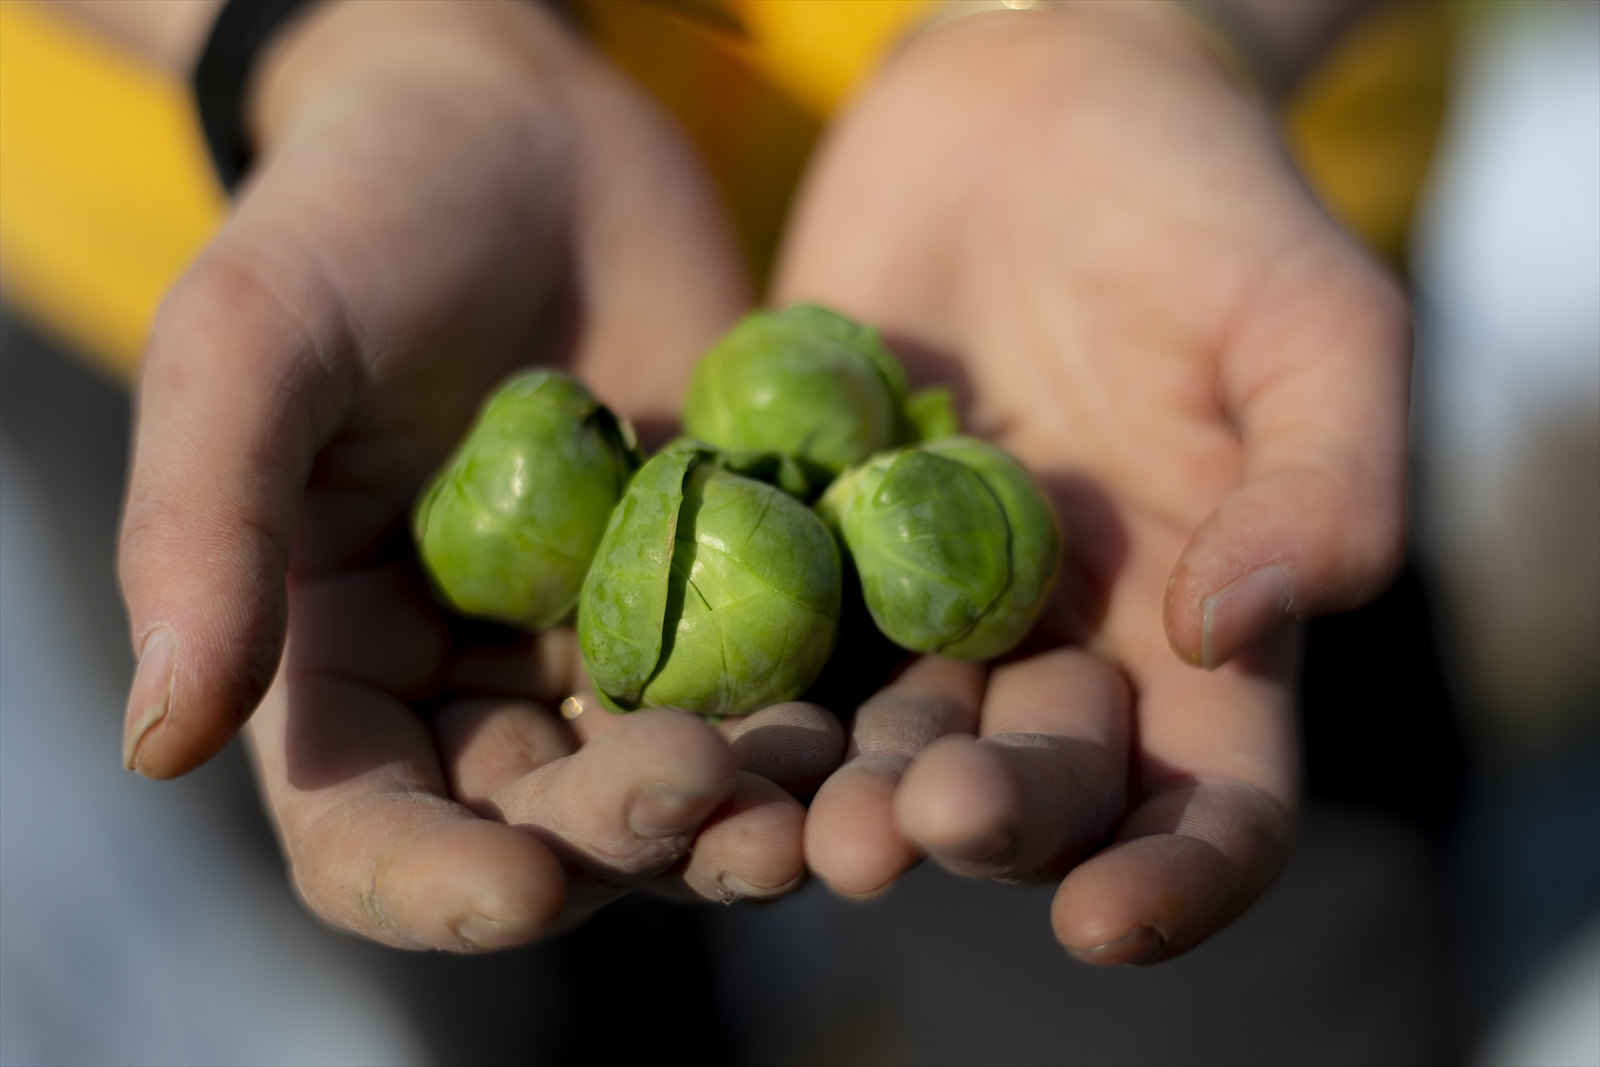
<point x="1318" y="380"/>
<point x="228" y="395"/>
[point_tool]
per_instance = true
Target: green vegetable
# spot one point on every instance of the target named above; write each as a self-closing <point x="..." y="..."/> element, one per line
<point x="932" y="413"/>
<point x="508" y="527"/>
<point x="806" y="382"/>
<point x="954" y="543"/>
<point x="711" y="592"/>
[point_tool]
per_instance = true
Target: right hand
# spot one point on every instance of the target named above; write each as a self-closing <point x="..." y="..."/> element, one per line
<point x="445" y="192"/>
<point x="1075" y="218"/>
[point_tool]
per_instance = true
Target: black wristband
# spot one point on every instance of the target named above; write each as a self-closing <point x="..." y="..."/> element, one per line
<point x="222" y="77"/>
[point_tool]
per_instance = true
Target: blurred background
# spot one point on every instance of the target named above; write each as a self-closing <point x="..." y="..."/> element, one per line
<point x="1443" y="902"/>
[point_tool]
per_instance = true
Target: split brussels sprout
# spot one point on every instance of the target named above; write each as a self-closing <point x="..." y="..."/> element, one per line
<point x="954" y="543"/>
<point x="805" y="382"/>
<point x="508" y="527"/>
<point x="711" y="591"/>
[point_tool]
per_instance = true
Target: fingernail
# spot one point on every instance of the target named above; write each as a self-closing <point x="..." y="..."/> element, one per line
<point x="1139" y="945"/>
<point x="485" y="934"/>
<point x="737" y="889"/>
<point x="664" y="811"/>
<point x="1243" y="611"/>
<point x="151" y="695"/>
<point x="864" y="896"/>
<point x="989" y="846"/>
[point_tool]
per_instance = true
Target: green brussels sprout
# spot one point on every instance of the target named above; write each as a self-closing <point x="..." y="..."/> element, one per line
<point x="711" y="592"/>
<point x="954" y="543"/>
<point x="508" y="527"/>
<point x="806" y="382"/>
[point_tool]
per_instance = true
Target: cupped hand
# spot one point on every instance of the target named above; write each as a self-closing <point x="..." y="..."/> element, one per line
<point x="1076" y="220"/>
<point x="445" y="192"/>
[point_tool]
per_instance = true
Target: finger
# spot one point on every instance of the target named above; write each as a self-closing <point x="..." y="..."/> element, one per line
<point x="229" y="400"/>
<point x="1188" y="862"/>
<point x="1317" y="379"/>
<point x="486" y="745"/>
<point x="318" y="296"/>
<point x="751" y="848"/>
<point x="626" y="806"/>
<point x="373" y="845"/>
<point x="851" y="839"/>
<point x="1218" y="778"/>
<point x="797" y="745"/>
<point x="255" y="364"/>
<point x="1044" y="785"/>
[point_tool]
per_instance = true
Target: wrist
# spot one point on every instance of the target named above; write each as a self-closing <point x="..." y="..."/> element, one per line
<point x="170" y="32"/>
<point x="1272" y="43"/>
<point x="1163" y="29"/>
<point x="510" y="46"/>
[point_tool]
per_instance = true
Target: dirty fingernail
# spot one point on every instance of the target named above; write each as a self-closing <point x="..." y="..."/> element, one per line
<point x="739" y="889"/>
<point x="151" y="695"/>
<point x="1243" y="611"/>
<point x="1139" y="945"/>
<point x="483" y="934"/>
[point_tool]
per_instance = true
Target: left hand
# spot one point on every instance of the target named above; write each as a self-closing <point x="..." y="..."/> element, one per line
<point x="1080" y="223"/>
<point x="446" y="193"/>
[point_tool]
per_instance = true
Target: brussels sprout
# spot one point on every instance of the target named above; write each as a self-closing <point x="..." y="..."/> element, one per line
<point x="711" y="592"/>
<point x="955" y="545"/>
<point x="804" y="381"/>
<point x="774" y="468"/>
<point x="508" y="527"/>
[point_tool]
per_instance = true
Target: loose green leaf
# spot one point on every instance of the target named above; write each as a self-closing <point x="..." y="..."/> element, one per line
<point x="624" y="599"/>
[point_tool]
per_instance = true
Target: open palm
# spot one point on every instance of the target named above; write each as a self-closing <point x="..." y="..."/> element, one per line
<point x="448" y="192"/>
<point x="1075" y="220"/>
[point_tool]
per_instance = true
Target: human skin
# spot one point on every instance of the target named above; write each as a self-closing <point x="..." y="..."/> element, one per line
<point x="1247" y="382"/>
<point x="1075" y="217"/>
<point x="443" y="192"/>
